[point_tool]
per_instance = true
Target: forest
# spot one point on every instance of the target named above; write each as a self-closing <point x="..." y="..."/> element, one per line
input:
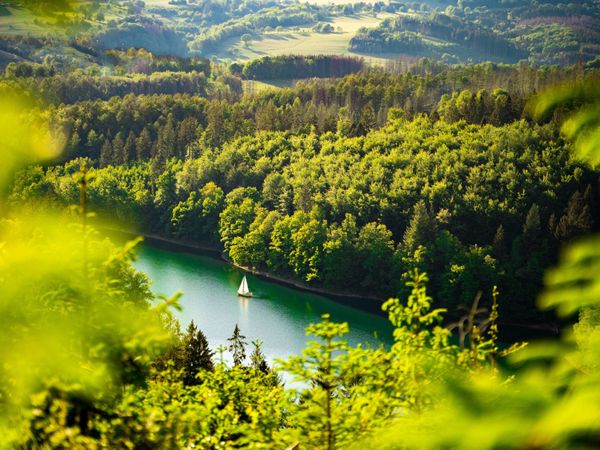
<point x="307" y="211"/>
<point x="293" y="67"/>
<point x="102" y="363"/>
<point x="462" y="199"/>
<point x="390" y="170"/>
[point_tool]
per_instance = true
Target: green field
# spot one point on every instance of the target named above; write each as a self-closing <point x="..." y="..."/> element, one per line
<point x="304" y="41"/>
<point x="20" y="22"/>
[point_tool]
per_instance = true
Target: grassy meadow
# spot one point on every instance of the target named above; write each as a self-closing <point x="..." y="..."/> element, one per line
<point x="304" y="41"/>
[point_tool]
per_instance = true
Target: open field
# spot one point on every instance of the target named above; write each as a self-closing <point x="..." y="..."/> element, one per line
<point x="20" y="22"/>
<point x="304" y="41"/>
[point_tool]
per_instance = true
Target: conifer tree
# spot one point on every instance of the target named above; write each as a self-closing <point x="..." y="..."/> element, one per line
<point x="187" y="132"/>
<point x="75" y="142"/>
<point x="266" y="117"/>
<point x="197" y="355"/>
<point x="499" y="242"/>
<point x="368" y="119"/>
<point x="143" y="146"/>
<point x="257" y="358"/>
<point x="92" y="141"/>
<point x="129" y="148"/>
<point x="531" y="227"/>
<point x="167" y="141"/>
<point x="296" y="115"/>
<point x="106" y="154"/>
<point x="577" y="219"/>
<point x="422" y="228"/>
<point x="237" y="346"/>
<point x="117" y="146"/>
<point x="215" y="119"/>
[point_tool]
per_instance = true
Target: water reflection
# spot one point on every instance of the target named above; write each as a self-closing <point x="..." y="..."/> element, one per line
<point x="243" y="306"/>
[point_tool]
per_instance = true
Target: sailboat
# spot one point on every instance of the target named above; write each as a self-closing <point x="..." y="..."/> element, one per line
<point x="243" y="291"/>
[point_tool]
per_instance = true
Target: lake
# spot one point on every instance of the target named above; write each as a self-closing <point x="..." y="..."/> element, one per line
<point x="276" y="314"/>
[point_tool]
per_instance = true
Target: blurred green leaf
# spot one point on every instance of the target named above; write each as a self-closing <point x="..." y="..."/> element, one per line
<point x="583" y="125"/>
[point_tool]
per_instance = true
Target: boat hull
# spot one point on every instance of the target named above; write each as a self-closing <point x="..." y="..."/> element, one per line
<point x="248" y="295"/>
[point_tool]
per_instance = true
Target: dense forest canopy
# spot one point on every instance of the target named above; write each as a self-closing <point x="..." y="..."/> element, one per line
<point x="459" y="193"/>
<point x="306" y="181"/>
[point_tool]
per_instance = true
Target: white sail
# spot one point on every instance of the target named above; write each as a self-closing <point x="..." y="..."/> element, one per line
<point x="243" y="290"/>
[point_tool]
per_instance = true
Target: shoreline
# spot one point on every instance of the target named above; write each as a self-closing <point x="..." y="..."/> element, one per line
<point x="363" y="303"/>
<point x="370" y="305"/>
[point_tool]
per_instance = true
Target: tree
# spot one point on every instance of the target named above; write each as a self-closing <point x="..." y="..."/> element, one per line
<point x="340" y="254"/>
<point x="345" y="126"/>
<point x="267" y="117"/>
<point x="499" y="243"/>
<point x="196" y="354"/>
<point x="328" y="409"/>
<point x="246" y="38"/>
<point x="197" y="216"/>
<point x="187" y="133"/>
<point x="577" y="219"/>
<point x="214" y="133"/>
<point x="531" y="227"/>
<point x="106" y="154"/>
<point x="143" y="145"/>
<point x="422" y="228"/>
<point x="237" y="346"/>
<point x="75" y="143"/>
<point x="167" y="141"/>
<point x="307" y="249"/>
<point x="92" y="141"/>
<point x="118" y="149"/>
<point x="129" y="149"/>
<point x="257" y="358"/>
<point x="236" y="218"/>
<point x="368" y="119"/>
<point x="375" y="249"/>
<point x="296" y="115"/>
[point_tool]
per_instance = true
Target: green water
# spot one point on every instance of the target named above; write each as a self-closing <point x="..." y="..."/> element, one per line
<point x="277" y="315"/>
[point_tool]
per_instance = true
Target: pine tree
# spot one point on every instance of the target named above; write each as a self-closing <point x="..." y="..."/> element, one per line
<point x="296" y="115"/>
<point x="577" y="219"/>
<point x="143" y="146"/>
<point x="215" y="118"/>
<point x="266" y="117"/>
<point x="187" y="133"/>
<point x="345" y="123"/>
<point x="237" y="346"/>
<point x="257" y="358"/>
<point x="92" y="141"/>
<point x="422" y="228"/>
<point x="166" y="142"/>
<point x="129" y="148"/>
<point x="531" y="227"/>
<point x="75" y="142"/>
<point x="499" y="243"/>
<point x="197" y="355"/>
<point x="106" y="154"/>
<point x="117" y="146"/>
